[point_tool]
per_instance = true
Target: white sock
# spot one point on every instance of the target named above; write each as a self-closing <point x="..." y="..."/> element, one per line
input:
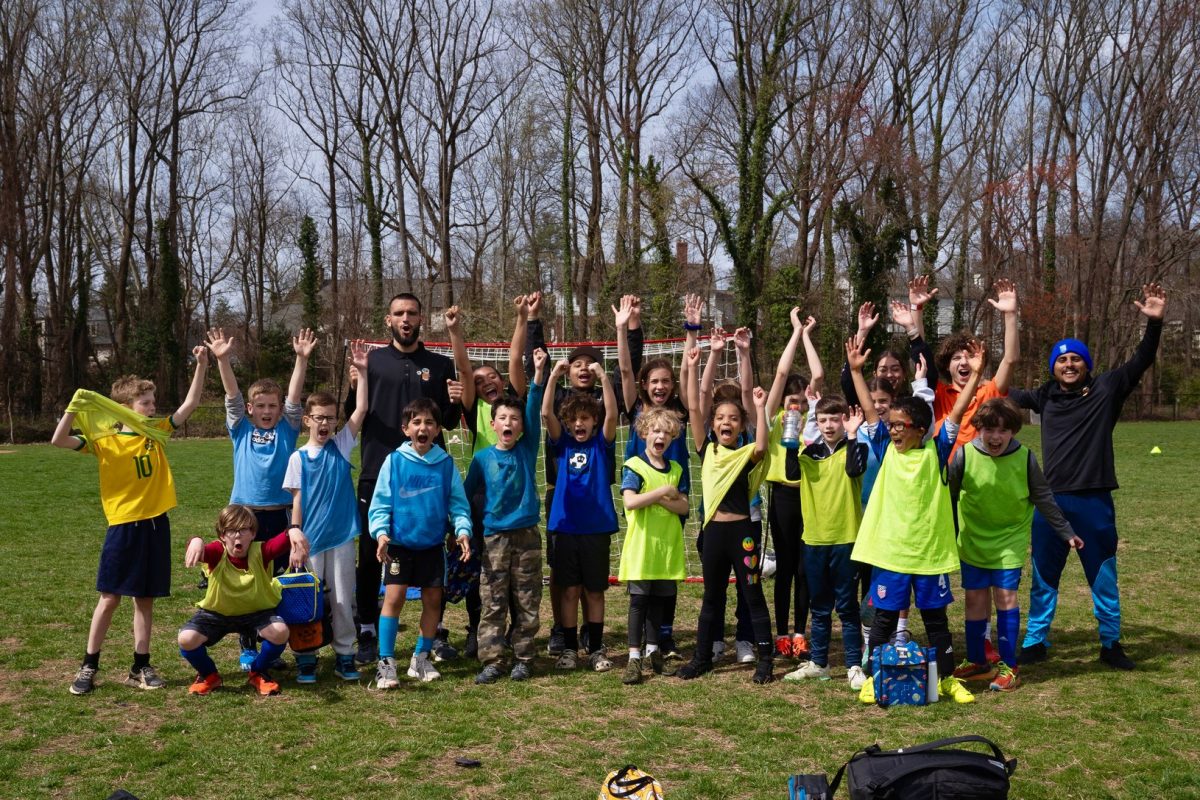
<point x="902" y="624"/>
<point x="651" y="648"/>
<point x="635" y="652"/>
<point x="367" y="629"/>
<point x="987" y="632"/>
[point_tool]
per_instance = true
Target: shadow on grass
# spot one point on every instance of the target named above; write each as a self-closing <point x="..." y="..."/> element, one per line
<point x="1077" y="652"/>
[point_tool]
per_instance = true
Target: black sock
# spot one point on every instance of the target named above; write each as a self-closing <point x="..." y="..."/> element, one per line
<point x="91" y="660"/>
<point x="595" y="636"/>
<point x="140" y="660"/>
<point x="571" y="638"/>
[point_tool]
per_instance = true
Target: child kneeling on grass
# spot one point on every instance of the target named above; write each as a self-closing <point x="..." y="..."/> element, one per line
<point x="240" y="597"/>
<point x="996" y="483"/>
<point x="652" y="560"/>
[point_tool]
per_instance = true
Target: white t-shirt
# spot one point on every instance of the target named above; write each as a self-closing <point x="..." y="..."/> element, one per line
<point x="343" y="440"/>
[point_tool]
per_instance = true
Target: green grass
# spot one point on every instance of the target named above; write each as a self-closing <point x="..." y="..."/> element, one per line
<point x="1077" y="729"/>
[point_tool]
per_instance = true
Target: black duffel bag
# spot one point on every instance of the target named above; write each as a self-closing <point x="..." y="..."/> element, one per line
<point x="933" y="771"/>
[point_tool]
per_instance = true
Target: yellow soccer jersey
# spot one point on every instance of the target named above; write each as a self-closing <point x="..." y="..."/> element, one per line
<point x="135" y="478"/>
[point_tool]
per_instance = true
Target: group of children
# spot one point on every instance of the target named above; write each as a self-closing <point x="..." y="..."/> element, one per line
<point x="875" y="497"/>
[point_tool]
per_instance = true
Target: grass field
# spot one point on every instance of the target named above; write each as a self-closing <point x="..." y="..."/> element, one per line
<point x="1078" y="729"/>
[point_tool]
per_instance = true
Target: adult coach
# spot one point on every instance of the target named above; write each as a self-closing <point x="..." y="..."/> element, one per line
<point x="1079" y="412"/>
<point x="396" y="375"/>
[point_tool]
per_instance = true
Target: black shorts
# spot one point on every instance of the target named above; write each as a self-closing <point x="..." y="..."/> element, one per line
<point x="582" y="559"/>
<point x="425" y="569"/>
<point x="270" y="522"/>
<point x="214" y="627"/>
<point x="135" y="560"/>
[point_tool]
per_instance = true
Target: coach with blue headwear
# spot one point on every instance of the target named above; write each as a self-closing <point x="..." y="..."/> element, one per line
<point x="1079" y="411"/>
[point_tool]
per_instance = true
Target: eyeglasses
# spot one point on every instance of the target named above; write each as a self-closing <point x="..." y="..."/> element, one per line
<point x="321" y="419"/>
<point x="898" y="427"/>
<point x="238" y="532"/>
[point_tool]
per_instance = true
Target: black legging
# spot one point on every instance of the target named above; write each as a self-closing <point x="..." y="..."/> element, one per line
<point x="937" y="628"/>
<point x="369" y="573"/>
<point x="645" y="617"/>
<point x="731" y="545"/>
<point x="787" y="526"/>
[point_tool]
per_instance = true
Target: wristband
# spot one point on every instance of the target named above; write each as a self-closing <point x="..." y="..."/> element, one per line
<point x="687" y="326"/>
<point x="295" y="527"/>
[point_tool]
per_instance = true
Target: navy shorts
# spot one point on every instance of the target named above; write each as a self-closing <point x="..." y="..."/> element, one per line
<point x="891" y="590"/>
<point x="582" y="559"/>
<point x="980" y="578"/>
<point x="214" y="627"/>
<point x="425" y="569"/>
<point x="135" y="560"/>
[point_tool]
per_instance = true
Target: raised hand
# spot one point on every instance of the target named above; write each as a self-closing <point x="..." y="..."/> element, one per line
<point x="219" y="343"/>
<point x="540" y="357"/>
<point x="621" y="315"/>
<point x="201" y="354"/>
<point x="693" y="308"/>
<point x="853" y="421"/>
<point x="455" y="390"/>
<point x="854" y="357"/>
<point x="635" y="312"/>
<point x="1006" y="297"/>
<point x="521" y="303"/>
<point x="902" y="315"/>
<point x="794" y="316"/>
<point x="560" y="368"/>
<point x="976" y="356"/>
<point x="693" y="357"/>
<point x="919" y="292"/>
<point x="534" y="302"/>
<point x="358" y="355"/>
<point x="921" y="370"/>
<point x="741" y="340"/>
<point x="1154" y="304"/>
<point x="760" y="397"/>
<point x="866" y="318"/>
<point x="304" y="342"/>
<point x="809" y="324"/>
<point x="716" y="339"/>
<point x="811" y="395"/>
<point x="453" y="317"/>
<point x="597" y="370"/>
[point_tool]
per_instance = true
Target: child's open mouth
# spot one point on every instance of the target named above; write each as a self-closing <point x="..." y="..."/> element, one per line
<point x="580" y="434"/>
<point x="659" y="396"/>
<point x="490" y="393"/>
<point x="422" y="438"/>
<point x="506" y="434"/>
<point x="659" y="448"/>
<point x="963" y="373"/>
<point x="725" y="433"/>
<point x="322" y="433"/>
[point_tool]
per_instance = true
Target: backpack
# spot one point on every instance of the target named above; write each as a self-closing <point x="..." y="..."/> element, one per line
<point x="902" y="674"/>
<point x="809" y="787"/>
<point x="929" y="771"/>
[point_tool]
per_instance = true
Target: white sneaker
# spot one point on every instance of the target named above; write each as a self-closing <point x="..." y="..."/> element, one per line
<point x="745" y="652"/>
<point x="421" y="668"/>
<point x="385" y="674"/>
<point x="806" y="671"/>
<point x="718" y="651"/>
<point x="856" y="677"/>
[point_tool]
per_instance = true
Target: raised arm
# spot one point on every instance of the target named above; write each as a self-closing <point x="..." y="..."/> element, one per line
<point x="745" y="369"/>
<point x="516" y="348"/>
<point x="691" y="398"/>
<point x="976" y="358"/>
<point x="303" y="343"/>
<point x="759" y="398"/>
<point x="192" y="401"/>
<point x="716" y="343"/>
<point x="816" y="370"/>
<point x="462" y="361"/>
<point x="358" y="360"/>
<point x="919" y="294"/>
<point x="535" y="334"/>
<point x="62" y="433"/>
<point x="784" y="367"/>
<point x="549" y="418"/>
<point x="867" y="319"/>
<point x="611" y="411"/>
<point x="855" y="361"/>
<point x="624" y="360"/>
<point x="221" y="347"/>
<point x="1006" y="304"/>
<point x="1154" y="308"/>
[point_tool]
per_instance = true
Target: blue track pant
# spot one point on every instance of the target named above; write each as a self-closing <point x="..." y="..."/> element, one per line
<point x="1091" y="515"/>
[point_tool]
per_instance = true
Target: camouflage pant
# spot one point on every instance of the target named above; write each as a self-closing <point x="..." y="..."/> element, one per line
<point x="512" y="569"/>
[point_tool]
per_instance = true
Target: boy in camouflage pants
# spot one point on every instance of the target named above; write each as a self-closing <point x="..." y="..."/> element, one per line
<point x="512" y="554"/>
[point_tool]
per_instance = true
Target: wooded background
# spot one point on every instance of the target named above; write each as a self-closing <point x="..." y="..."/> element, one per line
<point x="165" y="167"/>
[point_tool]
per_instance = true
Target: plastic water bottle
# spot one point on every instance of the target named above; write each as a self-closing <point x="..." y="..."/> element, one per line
<point x="791" y="427"/>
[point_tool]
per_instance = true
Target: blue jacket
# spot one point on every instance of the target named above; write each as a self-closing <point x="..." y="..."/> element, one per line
<point x="415" y="495"/>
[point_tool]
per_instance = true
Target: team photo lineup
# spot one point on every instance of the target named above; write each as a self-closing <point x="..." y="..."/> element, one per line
<point x="900" y="484"/>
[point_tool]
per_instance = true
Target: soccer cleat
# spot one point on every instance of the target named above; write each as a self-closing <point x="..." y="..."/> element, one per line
<point x="989" y="652"/>
<point x="421" y="668"/>
<point x="970" y="671"/>
<point x="368" y="648"/>
<point x="567" y="659"/>
<point x="856" y="677"/>
<point x="263" y="684"/>
<point x="1006" y="679"/>
<point x="866" y="695"/>
<point x="206" y="684"/>
<point x="558" y="642"/>
<point x="1033" y="654"/>
<point x="745" y="652"/>
<point x="1115" y="657"/>
<point x="521" y="671"/>
<point x="783" y="646"/>
<point x="764" y="672"/>
<point x="599" y="661"/>
<point x="246" y="659"/>
<point x="693" y="669"/>
<point x="800" y="646"/>
<point x="633" y="672"/>
<point x="144" y="678"/>
<point x="955" y="689"/>
<point x="385" y="674"/>
<point x="306" y="668"/>
<point x="656" y="662"/>
<point x="808" y="670"/>
<point x="443" y="650"/>
<point x="85" y="680"/>
<point x="343" y="667"/>
<point x="489" y="675"/>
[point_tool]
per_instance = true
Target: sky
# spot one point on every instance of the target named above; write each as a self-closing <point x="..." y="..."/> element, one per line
<point x="261" y="11"/>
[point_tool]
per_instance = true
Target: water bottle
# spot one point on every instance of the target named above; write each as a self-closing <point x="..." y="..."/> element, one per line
<point x="791" y="427"/>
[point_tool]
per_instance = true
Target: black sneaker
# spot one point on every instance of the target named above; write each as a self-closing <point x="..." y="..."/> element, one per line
<point x="443" y="651"/>
<point x="558" y="641"/>
<point x="489" y="675"/>
<point x="85" y="680"/>
<point x="764" y="672"/>
<point x="1036" y="654"/>
<point x="1115" y="657"/>
<point x="656" y="662"/>
<point x="694" y="669"/>
<point x="520" y="671"/>
<point x="471" y="650"/>
<point x="144" y="678"/>
<point x="368" y="648"/>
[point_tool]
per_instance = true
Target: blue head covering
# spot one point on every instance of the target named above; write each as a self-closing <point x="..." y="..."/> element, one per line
<point x="1064" y="346"/>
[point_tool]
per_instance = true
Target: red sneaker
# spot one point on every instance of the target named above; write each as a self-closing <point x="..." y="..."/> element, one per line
<point x="990" y="652"/>
<point x="783" y="646"/>
<point x="799" y="647"/>
<point x="967" y="671"/>
<point x="1006" y="680"/>
<point x="204" y="685"/>
<point x="263" y="683"/>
